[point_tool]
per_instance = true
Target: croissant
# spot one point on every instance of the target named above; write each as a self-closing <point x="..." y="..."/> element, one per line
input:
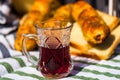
<point x="64" y="12"/>
<point x="93" y="26"/>
<point x="40" y="10"/>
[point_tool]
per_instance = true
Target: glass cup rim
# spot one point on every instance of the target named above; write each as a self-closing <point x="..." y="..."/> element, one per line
<point x="42" y="28"/>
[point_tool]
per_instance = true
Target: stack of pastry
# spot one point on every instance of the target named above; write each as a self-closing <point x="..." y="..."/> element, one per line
<point x="41" y="9"/>
<point x="91" y="29"/>
<point x="92" y="35"/>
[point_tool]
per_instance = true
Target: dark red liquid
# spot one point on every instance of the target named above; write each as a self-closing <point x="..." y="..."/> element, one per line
<point x="54" y="61"/>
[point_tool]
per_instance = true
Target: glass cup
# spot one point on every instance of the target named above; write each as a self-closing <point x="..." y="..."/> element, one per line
<point x="53" y="38"/>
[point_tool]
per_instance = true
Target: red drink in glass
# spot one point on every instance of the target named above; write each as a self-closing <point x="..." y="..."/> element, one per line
<point x="53" y="40"/>
<point x="55" y="62"/>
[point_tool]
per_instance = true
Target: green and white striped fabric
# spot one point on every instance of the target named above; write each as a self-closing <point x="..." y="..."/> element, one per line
<point x="9" y="65"/>
<point x="18" y="68"/>
<point x="14" y="66"/>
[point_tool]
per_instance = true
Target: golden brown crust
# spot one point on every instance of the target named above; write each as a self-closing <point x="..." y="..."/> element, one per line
<point x="26" y="28"/>
<point x="93" y="27"/>
<point x="78" y="7"/>
<point x="40" y="10"/>
<point x="64" y="12"/>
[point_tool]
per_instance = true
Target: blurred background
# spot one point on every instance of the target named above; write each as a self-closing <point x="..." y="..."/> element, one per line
<point x="12" y="9"/>
<point x="24" y="5"/>
<point x="109" y="6"/>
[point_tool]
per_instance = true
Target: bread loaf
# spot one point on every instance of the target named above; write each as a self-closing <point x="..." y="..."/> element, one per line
<point x="40" y="10"/>
<point x="93" y="26"/>
<point x="80" y="47"/>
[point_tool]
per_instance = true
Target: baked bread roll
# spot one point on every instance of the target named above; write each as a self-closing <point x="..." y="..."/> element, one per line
<point x="40" y="10"/>
<point x="64" y="12"/>
<point x="100" y="52"/>
<point x="80" y="47"/>
<point x="93" y="26"/>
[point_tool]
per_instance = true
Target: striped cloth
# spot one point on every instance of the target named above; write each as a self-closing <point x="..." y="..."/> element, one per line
<point x="15" y="66"/>
<point x="6" y="46"/>
<point x="18" y="68"/>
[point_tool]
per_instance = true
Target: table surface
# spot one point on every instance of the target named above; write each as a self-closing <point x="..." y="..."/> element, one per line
<point x="15" y="66"/>
<point x="18" y="68"/>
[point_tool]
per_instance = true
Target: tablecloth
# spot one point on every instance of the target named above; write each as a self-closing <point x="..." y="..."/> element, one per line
<point x="15" y="66"/>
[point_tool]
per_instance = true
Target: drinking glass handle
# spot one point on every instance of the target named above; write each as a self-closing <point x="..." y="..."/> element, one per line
<point x="24" y="50"/>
